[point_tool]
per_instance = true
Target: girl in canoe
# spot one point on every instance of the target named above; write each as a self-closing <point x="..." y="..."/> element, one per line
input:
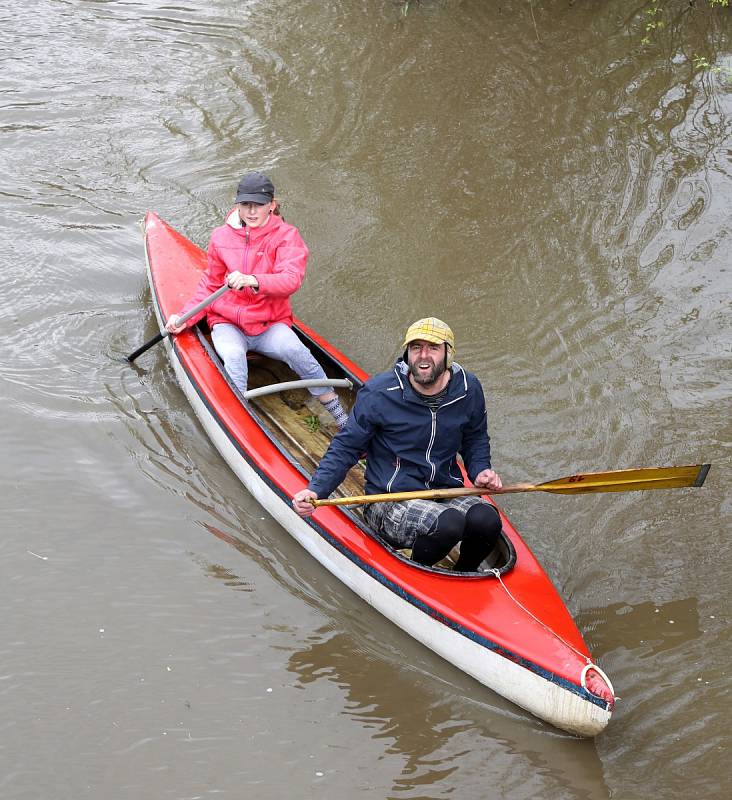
<point x="263" y="259"/>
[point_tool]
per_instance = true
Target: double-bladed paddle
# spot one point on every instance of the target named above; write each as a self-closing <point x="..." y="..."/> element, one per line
<point x="192" y="313"/>
<point x="619" y="480"/>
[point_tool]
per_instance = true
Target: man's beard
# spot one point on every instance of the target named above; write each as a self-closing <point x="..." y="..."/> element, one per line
<point x="431" y="377"/>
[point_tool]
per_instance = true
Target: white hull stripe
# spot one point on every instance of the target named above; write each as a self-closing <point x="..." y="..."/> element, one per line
<point x="400" y="591"/>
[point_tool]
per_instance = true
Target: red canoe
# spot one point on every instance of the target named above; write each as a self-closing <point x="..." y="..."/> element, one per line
<point x="505" y="625"/>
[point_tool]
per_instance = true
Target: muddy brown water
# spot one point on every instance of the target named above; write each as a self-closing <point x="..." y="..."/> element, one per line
<point x="532" y="173"/>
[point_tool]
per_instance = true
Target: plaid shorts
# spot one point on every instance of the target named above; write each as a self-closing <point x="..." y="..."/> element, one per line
<point x="400" y="523"/>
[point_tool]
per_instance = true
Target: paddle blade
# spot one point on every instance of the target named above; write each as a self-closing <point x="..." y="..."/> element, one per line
<point x="628" y="480"/>
<point x="145" y="347"/>
<point x="192" y="313"/>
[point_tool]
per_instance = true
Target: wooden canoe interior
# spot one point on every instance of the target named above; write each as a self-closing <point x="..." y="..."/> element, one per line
<point x="297" y="421"/>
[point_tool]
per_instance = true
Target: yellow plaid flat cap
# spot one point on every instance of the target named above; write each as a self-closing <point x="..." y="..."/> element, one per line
<point x="431" y="329"/>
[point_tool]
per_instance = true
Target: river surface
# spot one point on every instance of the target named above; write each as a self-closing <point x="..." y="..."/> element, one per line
<point x="533" y="173"/>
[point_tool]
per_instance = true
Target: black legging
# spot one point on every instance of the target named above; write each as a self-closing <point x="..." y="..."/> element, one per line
<point x="478" y="531"/>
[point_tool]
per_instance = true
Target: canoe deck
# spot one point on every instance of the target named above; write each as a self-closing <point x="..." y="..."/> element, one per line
<point x="298" y="421"/>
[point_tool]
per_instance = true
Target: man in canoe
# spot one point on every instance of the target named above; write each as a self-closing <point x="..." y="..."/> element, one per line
<point x="263" y="258"/>
<point x="412" y="422"/>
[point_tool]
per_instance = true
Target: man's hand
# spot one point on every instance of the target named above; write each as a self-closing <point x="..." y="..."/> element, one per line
<point x="488" y="479"/>
<point x="240" y="280"/>
<point x="300" y="502"/>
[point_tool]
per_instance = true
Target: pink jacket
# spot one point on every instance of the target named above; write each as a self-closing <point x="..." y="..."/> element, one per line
<point x="275" y="254"/>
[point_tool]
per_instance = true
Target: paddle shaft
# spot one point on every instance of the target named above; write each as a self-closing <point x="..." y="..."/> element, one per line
<point x="192" y="313"/>
<point x="398" y="497"/>
<point x="622" y="480"/>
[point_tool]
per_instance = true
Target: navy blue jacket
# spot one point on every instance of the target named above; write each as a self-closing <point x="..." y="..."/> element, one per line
<point x="408" y="446"/>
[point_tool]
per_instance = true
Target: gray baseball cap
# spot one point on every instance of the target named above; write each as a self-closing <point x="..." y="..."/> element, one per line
<point x="255" y="187"/>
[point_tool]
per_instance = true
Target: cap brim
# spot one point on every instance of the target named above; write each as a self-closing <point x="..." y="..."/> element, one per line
<point x="253" y="198"/>
<point x="425" y="337"/>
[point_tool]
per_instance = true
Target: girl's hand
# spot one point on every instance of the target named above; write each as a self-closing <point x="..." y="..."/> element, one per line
<point x="240" y="280"/>
<point x="172" y="325"/>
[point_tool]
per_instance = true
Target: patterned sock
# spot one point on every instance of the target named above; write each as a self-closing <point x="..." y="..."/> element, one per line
<point x="336" y="409"/>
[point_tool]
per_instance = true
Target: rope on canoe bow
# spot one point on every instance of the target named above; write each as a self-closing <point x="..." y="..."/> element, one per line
<point x="587" y="667"/>
<point x="603" y="675"/>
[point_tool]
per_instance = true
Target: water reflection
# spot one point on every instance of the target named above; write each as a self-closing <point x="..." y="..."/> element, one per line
<point x="226" y="575"/>
<point x="647" y="628"/>
<point x="423" y="710"/>
<point x="439" y="728"/>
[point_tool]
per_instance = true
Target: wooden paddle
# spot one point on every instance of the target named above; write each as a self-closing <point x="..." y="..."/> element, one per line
<point x="619" y="480"/>
<point x="192" y="313"/>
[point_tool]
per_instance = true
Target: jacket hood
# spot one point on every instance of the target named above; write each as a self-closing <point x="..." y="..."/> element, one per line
<point x="234" y="220"/>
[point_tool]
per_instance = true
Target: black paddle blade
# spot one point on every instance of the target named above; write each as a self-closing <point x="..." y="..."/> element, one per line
<point x="145" y="347"/>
